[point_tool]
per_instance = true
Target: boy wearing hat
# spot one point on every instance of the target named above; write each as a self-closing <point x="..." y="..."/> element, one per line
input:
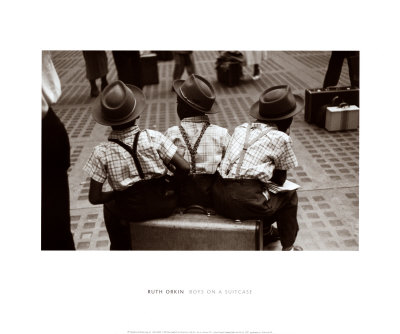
<point x="201" y="143"/>
<point x="259" y="152"/>
<point x="134" y="164"/>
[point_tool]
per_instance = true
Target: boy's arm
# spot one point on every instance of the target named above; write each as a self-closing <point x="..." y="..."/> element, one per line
<point x="96" y="194"/>
<point x="181" y="165"/>
<point x="279" y="176"/>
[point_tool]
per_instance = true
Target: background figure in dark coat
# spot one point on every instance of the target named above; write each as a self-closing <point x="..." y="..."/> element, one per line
<point x="96" y="67"/>
<point x="128" y="67"/>
<point x="56" y="230"/>
<point x="335" y="68"/>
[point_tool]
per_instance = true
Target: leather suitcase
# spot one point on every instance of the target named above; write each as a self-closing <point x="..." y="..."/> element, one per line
<point x="196" y="231"/>
<point x="316" y="98"/>
<point x="149" y="69"/>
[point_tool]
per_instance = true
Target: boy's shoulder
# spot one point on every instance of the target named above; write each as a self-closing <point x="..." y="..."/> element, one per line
<point x="218" y="127"/>
<point x="151" y="132"/>
<point x="172" y="128"/>
<point x="274" y="132"/>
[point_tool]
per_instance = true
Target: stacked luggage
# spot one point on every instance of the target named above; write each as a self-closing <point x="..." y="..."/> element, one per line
<point x="229" y="67"/>
<point x="332" y="108"/>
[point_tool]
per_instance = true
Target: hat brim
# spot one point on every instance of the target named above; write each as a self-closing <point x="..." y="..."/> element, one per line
<point x="139" y="108"/>
<point x="254" y="110"/>
<point x="177" y="85"/>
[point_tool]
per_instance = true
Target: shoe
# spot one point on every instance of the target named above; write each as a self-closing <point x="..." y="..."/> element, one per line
<point x="293" y="248"/>
<point x="94" y="92"/>
<point x="271" y="236"/>
<point x="257" y="76"/>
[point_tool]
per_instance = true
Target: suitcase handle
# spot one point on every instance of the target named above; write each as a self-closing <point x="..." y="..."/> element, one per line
<point x="195" y="207"/>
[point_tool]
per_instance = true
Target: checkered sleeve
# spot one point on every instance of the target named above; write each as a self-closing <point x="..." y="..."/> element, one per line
<point x="165" y="148"/>
<point x="95" y="166"/>
<point x="225" y="142"/>
<point x="285" y="158"/>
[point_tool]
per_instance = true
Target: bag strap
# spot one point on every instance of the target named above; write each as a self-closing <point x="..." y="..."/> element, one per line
<point x="132" y="151"/>
<point x="193" y="151"/>
<point x="246" y="145"/>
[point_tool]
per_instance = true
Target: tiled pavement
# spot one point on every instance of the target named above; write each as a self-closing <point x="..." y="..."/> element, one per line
<point x="328" y="169"/>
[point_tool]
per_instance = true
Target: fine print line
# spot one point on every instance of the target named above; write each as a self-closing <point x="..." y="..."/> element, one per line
<point x="199" y="332"/>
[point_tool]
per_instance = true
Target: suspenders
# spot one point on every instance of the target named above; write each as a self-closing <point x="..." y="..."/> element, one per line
<point x="132" y="151"/>
<point x="193" y="151"/>
<point x="246" y="145"/>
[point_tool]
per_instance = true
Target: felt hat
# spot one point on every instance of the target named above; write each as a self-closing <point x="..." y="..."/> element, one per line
<point x="277" y="103"/>
<point x="197" y="92"/>
<point x="118" y="104"/>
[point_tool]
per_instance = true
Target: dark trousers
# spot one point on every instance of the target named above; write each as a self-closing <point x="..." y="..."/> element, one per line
<point x="182" y="61"/>
<point x="334" y="70"/>
<point x="243" y="199"/>
<point x="195" y="190"/>
<point x="144" y="200"/>
<point x="128" y="67"/>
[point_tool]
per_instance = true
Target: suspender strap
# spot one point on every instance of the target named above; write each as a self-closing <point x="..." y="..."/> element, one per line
<point x="246" y="145"/>
<point x="193" y="151"/>
<point x="132" y="151"/>
<point x="243" y="151"/>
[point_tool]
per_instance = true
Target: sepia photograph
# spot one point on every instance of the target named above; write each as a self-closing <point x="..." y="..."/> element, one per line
<point x="200" y="150"/>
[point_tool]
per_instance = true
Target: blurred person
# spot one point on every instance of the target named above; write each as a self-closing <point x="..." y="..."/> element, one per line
<point x="128" y="67"/>
<point x="96" y="67"/>
<point x="335" y="65"/>
<point x="183" y="60"/>
<point x="55" y="228"/>
<point x="253" y="59"/>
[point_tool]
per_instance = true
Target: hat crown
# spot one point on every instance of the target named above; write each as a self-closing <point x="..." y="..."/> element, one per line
<point x="276" y="102"/>
<point x="114" y="97"/>
<point x="198" y="93"/>
<point x="118" y="104"/>
<point x="273" y="95"/>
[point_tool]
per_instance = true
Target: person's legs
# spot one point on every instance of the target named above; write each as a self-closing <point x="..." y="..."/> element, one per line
<point x="136" y="66"/>
<point x="118" y="233"/>
<point x="256" y="72"/>
<point x="94" y="90"/>
<point x="104" y="82"/>
<point x="334" y="69"/>
<point x="243" y="199"/>
<point x="179" y="66"/>
<point x="353" y="62"/>
<point x="189" y="64"/>
<point x="283" y="206"/>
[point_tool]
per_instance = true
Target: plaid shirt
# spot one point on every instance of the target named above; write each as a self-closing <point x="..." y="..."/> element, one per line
<point x="273" y="150"/>
<point x="109" y="161"/>
<point x="212" y="146"/>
